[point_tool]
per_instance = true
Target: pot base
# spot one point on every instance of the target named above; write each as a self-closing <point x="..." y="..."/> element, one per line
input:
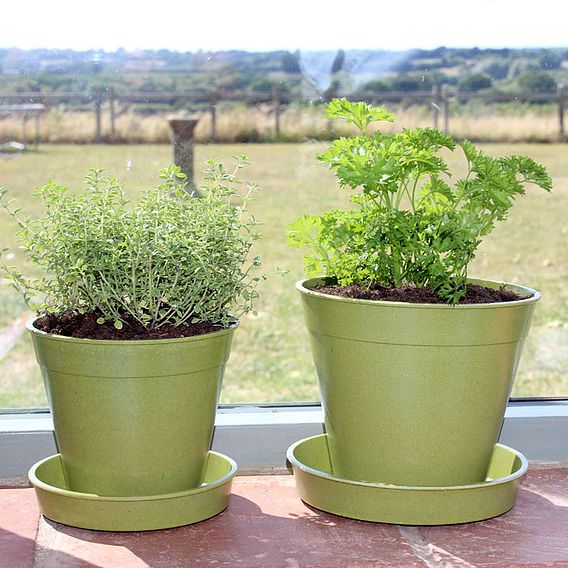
<point x="383" y="503"/>
<point x="140" y="513"/>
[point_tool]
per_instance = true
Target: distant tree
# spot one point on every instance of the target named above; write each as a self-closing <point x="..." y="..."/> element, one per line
<point x="475" y="82"/>
<point x="420" y="54"/>
<point x="291" y="62"/>
<point x="502" y="52"/>
<point x="149" y="84"/>
<point x="494" y="67"/>
<point x="438" y="52"/>
<point x="467" y="52"/>
<point x="410" y="82"/>
<point x="403" y="66"/>
<point x="550" y="60"/>
<point x="406" y="83"/>
<point x="521" y="66"/>
<point x="262" y="85"/>
<point x="537" y="82"/>
<point x="452" y="60"/>
<point x="233" y="80"/>
<point x="376" y="86"/>
<point x="430" y="77"/>
<point x="266" y="85"/>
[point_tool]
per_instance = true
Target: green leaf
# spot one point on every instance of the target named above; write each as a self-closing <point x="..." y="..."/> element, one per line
<point x="304" y="231"/>
<point x="359" y="113"/>
<point x="470" y="151"/>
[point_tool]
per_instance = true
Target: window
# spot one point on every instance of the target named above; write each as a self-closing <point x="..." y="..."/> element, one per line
<point x="266" y="100"/>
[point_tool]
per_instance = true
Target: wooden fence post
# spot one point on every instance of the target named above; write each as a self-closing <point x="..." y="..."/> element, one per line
<point x="214" y="99"/>
<point x="38" y="114"/>
<point x="98" y="98"/>
<point x="24" y="127"/>
<point x="560" y="93"/>
<point x="446" y="107"/>
<point x="435" y="105"/>
<point x="112" y="112"/>
<point x="276" y="101"/>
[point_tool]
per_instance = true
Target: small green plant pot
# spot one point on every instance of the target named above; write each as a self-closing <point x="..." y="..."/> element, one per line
<point x="140" y="513"/>
<point x="406" y="505"/>
<point x="414" y="394"/>
<point x="133" y="418"/>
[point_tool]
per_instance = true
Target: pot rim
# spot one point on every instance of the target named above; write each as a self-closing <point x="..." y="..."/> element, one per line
<point x="532" y="296"/>
<point x="85" y="341"/>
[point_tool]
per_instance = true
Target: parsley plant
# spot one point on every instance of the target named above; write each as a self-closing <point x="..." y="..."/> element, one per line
<point x="409" y="224"/>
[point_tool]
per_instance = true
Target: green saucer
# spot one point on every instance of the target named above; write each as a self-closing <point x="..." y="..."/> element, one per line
<point x="140" y="513"/>
<point x="383" y="503"/>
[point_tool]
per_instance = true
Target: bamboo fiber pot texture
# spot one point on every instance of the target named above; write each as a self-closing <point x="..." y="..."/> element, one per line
<point x="414" y="394"/>
<point x="133" y="417"/>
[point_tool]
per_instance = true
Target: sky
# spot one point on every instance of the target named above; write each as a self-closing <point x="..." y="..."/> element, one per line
<point x="268" y="25"/>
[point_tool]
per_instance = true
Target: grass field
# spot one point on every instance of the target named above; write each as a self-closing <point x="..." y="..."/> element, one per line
<point x="271" y="360"/>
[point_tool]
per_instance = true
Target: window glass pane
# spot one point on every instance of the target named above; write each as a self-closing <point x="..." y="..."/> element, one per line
<point x="259" y="92"/>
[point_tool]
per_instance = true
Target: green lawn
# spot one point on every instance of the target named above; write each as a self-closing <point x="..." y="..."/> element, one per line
<point x="271" y="360"/>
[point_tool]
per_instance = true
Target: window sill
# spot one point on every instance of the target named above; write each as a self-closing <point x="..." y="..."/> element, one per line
<point x="257" y="436"/>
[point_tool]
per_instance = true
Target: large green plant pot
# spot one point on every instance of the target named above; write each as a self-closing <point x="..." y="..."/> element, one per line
<point x="414" y="394"/>
<point x="133" y="418"/>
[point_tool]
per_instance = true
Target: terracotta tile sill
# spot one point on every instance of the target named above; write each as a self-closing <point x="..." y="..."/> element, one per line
<point x="267" y="525"/>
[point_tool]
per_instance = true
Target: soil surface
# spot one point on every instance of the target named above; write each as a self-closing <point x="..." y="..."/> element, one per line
<point x="85" y="326"/>
<point x="475" y="294"/>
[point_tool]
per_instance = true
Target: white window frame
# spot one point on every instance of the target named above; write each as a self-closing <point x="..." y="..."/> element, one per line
<point x="257" y="436"/>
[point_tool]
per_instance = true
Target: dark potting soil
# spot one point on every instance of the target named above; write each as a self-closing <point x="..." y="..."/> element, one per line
<point x="85" y="326"/>
<point x="475" y="294"/>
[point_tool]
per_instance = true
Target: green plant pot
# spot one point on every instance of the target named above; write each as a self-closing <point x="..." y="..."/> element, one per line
<point x="133" y="418"/>
<point x="414" y="394"/>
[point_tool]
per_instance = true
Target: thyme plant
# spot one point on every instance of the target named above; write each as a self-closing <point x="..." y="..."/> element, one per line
<point x="409" y="224"/>
<point x="170" y="259"/>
